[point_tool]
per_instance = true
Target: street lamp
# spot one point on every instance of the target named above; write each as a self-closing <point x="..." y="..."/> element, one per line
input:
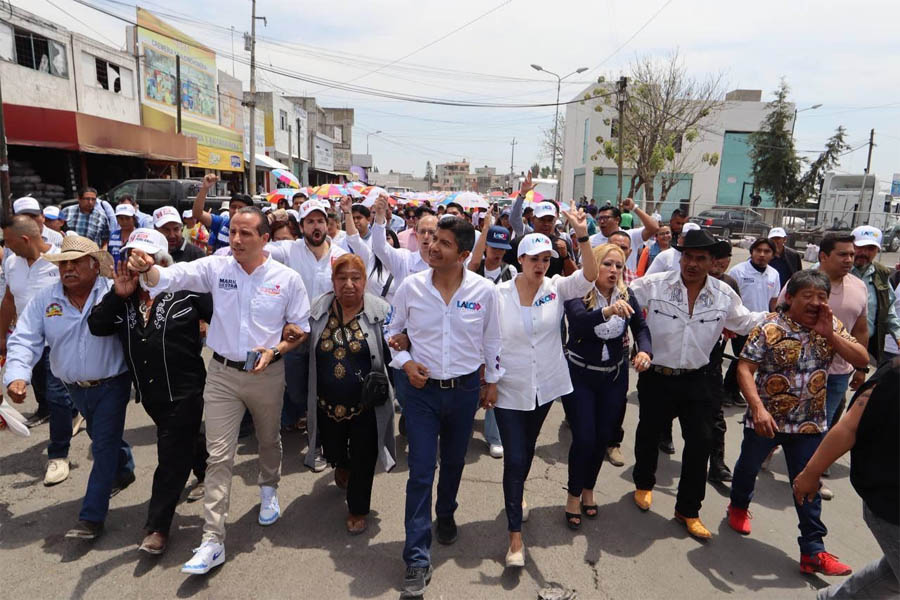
<point x="794" y="122"/>
<point x="367" y="139"/>
<point x="559" y="81"/>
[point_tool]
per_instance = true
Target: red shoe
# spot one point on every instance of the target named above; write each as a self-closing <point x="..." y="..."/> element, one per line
<point x="822" y="562"/>
<point x="739" y="519"/>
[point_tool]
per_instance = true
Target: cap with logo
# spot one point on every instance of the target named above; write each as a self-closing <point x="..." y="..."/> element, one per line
<point x="777" y="232"/>
<point x="544" y="209"/>
<point x="27" y="206"/>
<point x="498" y="237"/>
<point x="311" y="206"/>
<point x="164" y="215"/>
<point x="51" y="213"/>
<point x="147" y="240"/>
<point x="535" y="243"/>
<point x="125" y="210"/>
<point x="866" y="235"/>
<point x="188" y="214"/>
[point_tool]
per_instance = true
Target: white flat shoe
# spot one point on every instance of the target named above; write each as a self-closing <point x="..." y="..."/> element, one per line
<point x="526" y="512"/>
<point x="515" y="559"/>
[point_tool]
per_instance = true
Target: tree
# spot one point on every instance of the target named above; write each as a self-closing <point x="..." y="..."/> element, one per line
<point x="776" y="168"/>
<point x="547" y="142"/>
<point x="664" y="116"/>
<point x="429" y="173"/>
<point x="546" y="173"/>
<point x="535" y="170"/>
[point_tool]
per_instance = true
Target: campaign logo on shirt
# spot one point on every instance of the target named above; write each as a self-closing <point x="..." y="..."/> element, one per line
<point x="468" y="305"/>
<point x="270" y="290"/>
<point x="548" y="298"/>
<point x="390" y="316"/>
<point x="53" y="310"/>
<point x="227" y="284"/>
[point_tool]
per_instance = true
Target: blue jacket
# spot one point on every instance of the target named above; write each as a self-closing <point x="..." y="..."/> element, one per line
<point x="583" y="341"/>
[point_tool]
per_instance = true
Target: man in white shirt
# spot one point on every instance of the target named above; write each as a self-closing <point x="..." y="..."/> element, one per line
<point x="399" y="261"/>
<point x="609" y="219"/>
<point x="670" y="260"/>
<point x="311" y="257"/>
<point x="26" y="273"/>
<point x="759" y="284"/>
<point x="254" y="298"/>
<point x="686" y="312"/>
<point x="29" y="206"/>
<point x="452" y="320"/>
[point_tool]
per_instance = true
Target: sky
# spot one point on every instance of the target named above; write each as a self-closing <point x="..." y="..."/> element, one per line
<point x="480" y="51"/>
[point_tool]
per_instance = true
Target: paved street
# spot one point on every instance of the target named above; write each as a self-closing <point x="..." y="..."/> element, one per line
<point x="622" y="554"/>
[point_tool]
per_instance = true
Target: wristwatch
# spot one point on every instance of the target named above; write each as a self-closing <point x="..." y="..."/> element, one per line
<point x="583" y="239"/>
<point x="276" y="355"/>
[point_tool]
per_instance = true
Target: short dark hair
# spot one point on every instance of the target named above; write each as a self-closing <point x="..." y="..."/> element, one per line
<point x="591" y="210"/>
<point x="242" y="198"/>
<point x="678" y="213"/>
<point x="622" y="233"/>
<point x="262" y="226"/>
<point x="424" y="210"/>
<point x="86" y="190"/>
<point x="462" y="230"/>
<point x="361" y="209"/>
<point x="808" y="278"/>
<point x="833" y="239"/>
<point x="301" y="194"/>
<point x="616" y="213"/>
<point x="332" y="216"/>
<point x="760" y="241"/>
<point x="457" y="205"/>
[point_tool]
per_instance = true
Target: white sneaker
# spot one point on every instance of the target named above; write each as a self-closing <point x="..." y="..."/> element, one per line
<point x="210" y="554"/>
<point x="269" y="511"/>
<point x="319" y="462"/>
<point x="515" y="559"/>
<point x="526" y="511"/>
<point x="57" y="471"/>
<point x="496" y="450"/>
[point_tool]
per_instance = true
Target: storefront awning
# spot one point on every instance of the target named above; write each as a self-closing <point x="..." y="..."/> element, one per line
<point x="344" y="174"/>
<point x="69" y="130"/>
<point x="267" y="162"/>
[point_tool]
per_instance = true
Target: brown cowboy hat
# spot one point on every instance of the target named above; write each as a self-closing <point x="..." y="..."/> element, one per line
<point x="75" y="247"/>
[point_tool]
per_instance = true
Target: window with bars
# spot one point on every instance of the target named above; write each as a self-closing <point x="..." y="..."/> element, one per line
<point x="39" y="53"/>
<point x="283" y="117"/>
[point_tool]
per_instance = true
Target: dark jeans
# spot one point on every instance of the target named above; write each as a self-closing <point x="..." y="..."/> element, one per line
<point x="104" y="408"/>
<point x="594" y="406"/>
<point x="717" y="451"/>
<point x="798" y="449"/>
<point x="352" y="445"/>
<point x="519" y="430"/>
<point x="689" y="398"/>
<point x="731" y="384"/>
<point x="835" y="396"/>
<point x="296" y="381"/>
<point x="180" y="448"/>
<point x="435" y="419"/>
<point x="53" y="396"/>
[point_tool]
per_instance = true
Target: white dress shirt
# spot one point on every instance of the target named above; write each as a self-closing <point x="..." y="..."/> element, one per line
<point x="375" y="281"/>
<point x="250" y="309"/>
<point x="667" y="260"/>
<point x="637" y="244"/>
<point x="23" y="281"/>
<point x="75" y="354"/>
<point x="449" y="339"/>
<point x="315" y="272"/>
<point x="533" y="361"/>
<point x="756" y="288"/>
<point x="399" y="261"/>
<point x="682" y="340"/>
<point x="51" y="236"/>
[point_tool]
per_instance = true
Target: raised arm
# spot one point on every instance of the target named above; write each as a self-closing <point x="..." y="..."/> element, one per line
<point x="392" y="258"/>
<point x="477" y="256"/>
<point x="194" y="275"/>
<point x="199" y="214"/>
<point x="649" y="223"/>
<point x="515" y="214"/>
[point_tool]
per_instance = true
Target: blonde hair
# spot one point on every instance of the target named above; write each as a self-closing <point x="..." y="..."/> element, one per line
<point x="621" y="290"/>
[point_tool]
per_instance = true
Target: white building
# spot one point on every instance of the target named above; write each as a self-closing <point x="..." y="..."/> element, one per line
<point x="725" y="133"/>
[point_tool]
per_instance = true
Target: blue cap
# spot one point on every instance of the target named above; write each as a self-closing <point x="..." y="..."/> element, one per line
<point x="498" y="237"/>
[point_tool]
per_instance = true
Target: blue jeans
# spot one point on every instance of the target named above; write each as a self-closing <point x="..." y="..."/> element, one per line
<point x="879" y="578"/>
<point x="798" y="448"/>
<point x="519" y="430"/>
<point x="53" y="393"/>
<point x="491" y="431"/>
<point x="296" y="382"/>
<point x="434" y="417"/>
<point x="104" y="408"/>
<point x="834" y="394"/>
<point x="594" y="408"/>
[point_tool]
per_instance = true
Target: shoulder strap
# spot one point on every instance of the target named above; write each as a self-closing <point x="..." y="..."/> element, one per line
<point x="387" y="285"/>
<point x="505" y="274"/>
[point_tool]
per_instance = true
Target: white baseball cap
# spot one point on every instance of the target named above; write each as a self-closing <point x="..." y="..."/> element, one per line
<point x="535" y="243"/>
<point x="147" y="240"/>
<point x="866" y="235"/>
<point x="165" y="214"/>
<point x="776" y="232"/>
<point x="690" y="227"/>
<point x="125" y="210"/>
<point x="51" y="213"/>
<point x="294" y="214"/>
<point x="188" y="214"/>
<point x="225" y="206"/>
<point x="27" y="206"/>
<point x="310" y="206"/>
<point x="544" y="209"/>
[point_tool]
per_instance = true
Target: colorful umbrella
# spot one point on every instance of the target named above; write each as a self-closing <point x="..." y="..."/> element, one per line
<point x="287" y="193"/>
<point x="355" y="185"/>
<point x="285" y="178"/>
<point x="531" y="196"/>
<point x="470" y="200"/>
<point x="330" y="190"/>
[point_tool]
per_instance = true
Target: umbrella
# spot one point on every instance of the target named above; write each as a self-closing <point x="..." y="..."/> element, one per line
<point x="329" y="190"/>
<point x="285" y="178"/>
<point x="285" y="193"/>
<point x="355" y="185"/>
<point x="497" y="194"/>
<point x="531" y="196"/>
<point x="470" y="200"/>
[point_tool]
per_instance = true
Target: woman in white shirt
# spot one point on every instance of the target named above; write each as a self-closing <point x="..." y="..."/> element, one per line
<point x="531" y="308"/>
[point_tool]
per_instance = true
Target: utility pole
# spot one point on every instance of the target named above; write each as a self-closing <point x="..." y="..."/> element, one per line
<point x="252" y="102"/>
<point x="512" y="160"/>
<point x="871" y="145"/>
<point x="178" y="103"/>
<point x="621" y="96"/>
<point x="4" y="167"/>
<point x="232" y="51"/>
<point x="862" y="187"/>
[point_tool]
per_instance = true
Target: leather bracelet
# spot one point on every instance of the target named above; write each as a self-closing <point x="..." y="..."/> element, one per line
<point x="584" y="239"/>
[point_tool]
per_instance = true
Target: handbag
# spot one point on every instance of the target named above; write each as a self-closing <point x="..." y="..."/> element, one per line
<point x="375" y="389"/>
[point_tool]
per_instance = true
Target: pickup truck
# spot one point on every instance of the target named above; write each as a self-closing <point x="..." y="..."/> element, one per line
<point x="726" y="222"/>
<point x="151" y="194"/>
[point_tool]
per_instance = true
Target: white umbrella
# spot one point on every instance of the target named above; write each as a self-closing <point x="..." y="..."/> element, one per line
<point x="469" y="200"/>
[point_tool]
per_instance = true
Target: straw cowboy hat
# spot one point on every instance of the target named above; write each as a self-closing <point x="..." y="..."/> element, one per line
<point x="75" y="246"/>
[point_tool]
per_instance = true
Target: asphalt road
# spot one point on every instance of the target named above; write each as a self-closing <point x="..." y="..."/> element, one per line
<point x="622" y="554"/>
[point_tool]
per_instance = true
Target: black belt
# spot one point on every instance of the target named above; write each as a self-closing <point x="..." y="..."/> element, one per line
<point x="670" y="371"/>
<point x="236" y="364"/>
<point x="447" y="384"/>
<point x="92" y="383"/>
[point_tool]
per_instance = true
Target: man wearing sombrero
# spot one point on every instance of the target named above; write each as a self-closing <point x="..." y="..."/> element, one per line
<point x="92" y="369"/>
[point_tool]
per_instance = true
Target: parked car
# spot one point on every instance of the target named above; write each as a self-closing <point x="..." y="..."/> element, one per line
<point x="151" y="194"/>
<point x="891" y="238"/>
<point x="727" y="222"/>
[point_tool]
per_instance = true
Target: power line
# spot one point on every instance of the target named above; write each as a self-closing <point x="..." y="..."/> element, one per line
<point x="633" y="35"/>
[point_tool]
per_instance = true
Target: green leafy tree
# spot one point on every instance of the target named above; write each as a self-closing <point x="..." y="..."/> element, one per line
<point x="535" y="170"/>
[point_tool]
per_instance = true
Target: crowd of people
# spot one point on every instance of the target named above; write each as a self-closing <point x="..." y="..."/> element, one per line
<point x="332" y="315"/>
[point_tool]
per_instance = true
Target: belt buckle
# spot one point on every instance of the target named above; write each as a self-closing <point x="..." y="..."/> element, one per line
<point x="446" y="384"/>
<point x="668" y="371"/>
<point x="86" y="384"/>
